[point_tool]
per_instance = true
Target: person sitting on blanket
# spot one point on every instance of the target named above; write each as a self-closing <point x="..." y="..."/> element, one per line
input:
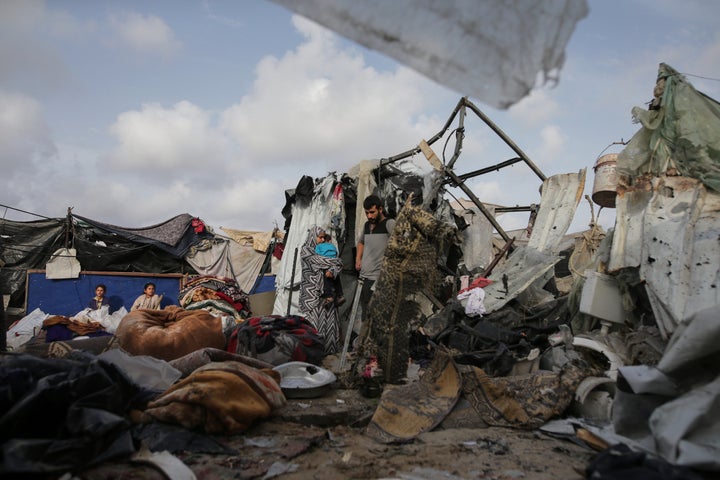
<point x="148" y="300"/>
<point x="332" y="287"/>
<point x="99" y="300"/>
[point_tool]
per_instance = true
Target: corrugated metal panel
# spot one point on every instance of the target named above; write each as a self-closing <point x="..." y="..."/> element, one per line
<point x="560" y="197"/>
<point x="631" y="203"/>
<point x="534" y="262"/>
<point x="523" y="268"/>
<point x="675" y="238"/>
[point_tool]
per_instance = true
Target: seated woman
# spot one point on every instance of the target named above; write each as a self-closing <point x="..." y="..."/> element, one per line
<point x="99" y="300"/>
<point x="148" y="299"/>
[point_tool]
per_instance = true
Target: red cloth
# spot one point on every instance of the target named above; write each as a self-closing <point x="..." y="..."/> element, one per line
<point x="480" y="282"/>
<point x="198" y="225"/>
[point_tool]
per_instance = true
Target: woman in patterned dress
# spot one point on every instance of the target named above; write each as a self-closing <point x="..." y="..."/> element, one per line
<point x="312" y="306"/>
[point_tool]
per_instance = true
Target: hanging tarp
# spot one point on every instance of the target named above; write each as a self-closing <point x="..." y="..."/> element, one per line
<point x="680" y="132"/>
<point x="25" y="245"/>
<point x="102" y="250"/>
<point x="175" y="236"/>
<point x="495" y="51"/>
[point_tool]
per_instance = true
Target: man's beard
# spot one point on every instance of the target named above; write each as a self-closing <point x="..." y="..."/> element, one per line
<point x="373" y="220"/>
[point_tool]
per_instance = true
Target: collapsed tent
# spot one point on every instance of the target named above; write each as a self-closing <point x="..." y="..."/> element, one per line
<point x="639" y="298"/>
<point x="512" y="328"/>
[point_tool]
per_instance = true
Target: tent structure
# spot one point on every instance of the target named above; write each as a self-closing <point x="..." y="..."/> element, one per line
<point x="183" y="245"/>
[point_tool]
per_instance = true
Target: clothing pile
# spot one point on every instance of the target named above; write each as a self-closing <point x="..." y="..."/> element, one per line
<point x="219" y="295"/>
<point x="278" y="339"/>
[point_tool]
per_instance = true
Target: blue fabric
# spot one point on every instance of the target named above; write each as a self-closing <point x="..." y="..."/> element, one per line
<point x="326" y="250"/>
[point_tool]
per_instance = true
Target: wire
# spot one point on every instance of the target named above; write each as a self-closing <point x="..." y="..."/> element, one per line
<point x="24" y="211"/>
<point x="453" y="196"/>
<point x="700" y="76"/>
<point x="621" y="142"/>
<point x="447" y="140"/>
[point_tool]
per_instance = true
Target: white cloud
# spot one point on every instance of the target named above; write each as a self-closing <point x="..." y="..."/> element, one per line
<point x="145" y="33"/>
<point x="491" y="191"/>
<point x="252" y="204"/>
<point x="64" y="25"/>
<point x="24" y="135"/>
<point x="535" y="109"/>
<point x="156" y="139"/>
<point x="553" y="143"/>
<point x="324" y="106"/>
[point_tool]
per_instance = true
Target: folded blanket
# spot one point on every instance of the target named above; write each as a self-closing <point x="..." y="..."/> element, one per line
<point x="218" y="398"/>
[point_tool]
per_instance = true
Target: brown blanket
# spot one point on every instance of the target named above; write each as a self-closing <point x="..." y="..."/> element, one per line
<point x="218" y="398"/>
<point x="169" y="333"/>
<point x="78" y="327"/>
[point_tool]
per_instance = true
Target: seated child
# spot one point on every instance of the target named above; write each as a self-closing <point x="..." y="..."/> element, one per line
<point x="99" y="300"/>
<point x="332" y="287"/>
<point x="148" y="299"/>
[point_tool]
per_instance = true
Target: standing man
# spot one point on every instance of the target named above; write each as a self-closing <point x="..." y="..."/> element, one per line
<point x="371" y="247"/>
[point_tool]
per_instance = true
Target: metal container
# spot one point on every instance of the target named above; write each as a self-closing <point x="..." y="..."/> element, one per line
<point x="605" y="184"/>
<point x="304" y="380"/>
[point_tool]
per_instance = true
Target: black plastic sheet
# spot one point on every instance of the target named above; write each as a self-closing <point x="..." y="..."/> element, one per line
<point x="62" y="414"/>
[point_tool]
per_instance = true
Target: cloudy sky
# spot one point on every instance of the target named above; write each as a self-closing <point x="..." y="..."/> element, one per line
<point x="132" y="112"/>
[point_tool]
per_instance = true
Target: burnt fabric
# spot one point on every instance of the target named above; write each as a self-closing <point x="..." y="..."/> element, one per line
<point x="278" y="339"/>
<point x="406" y="411"/>
<point x="169" y="333"/>
<point x="409" y="267"/>
<point x="222" y="398"/>
<point x="58" y="415"/>
<point x="522" y="401"/>
<point x="312" y="304"/>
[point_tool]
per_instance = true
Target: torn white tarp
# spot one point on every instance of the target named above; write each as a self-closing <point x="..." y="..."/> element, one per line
<point x="222" y="257"/>
<point x="494" y="51"/>
<point x="63" y="264"/>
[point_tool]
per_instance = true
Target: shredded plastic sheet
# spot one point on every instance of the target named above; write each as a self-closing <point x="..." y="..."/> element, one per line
<point x="494" y="51"/>
<point x="682" y="133"/>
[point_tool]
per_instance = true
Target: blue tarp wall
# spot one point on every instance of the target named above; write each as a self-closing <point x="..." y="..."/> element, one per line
<point x="69" y="296"/>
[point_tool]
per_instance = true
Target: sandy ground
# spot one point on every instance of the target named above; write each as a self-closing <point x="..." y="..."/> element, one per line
<point x="491" y="453"/>
<point x="324" y="439"/>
